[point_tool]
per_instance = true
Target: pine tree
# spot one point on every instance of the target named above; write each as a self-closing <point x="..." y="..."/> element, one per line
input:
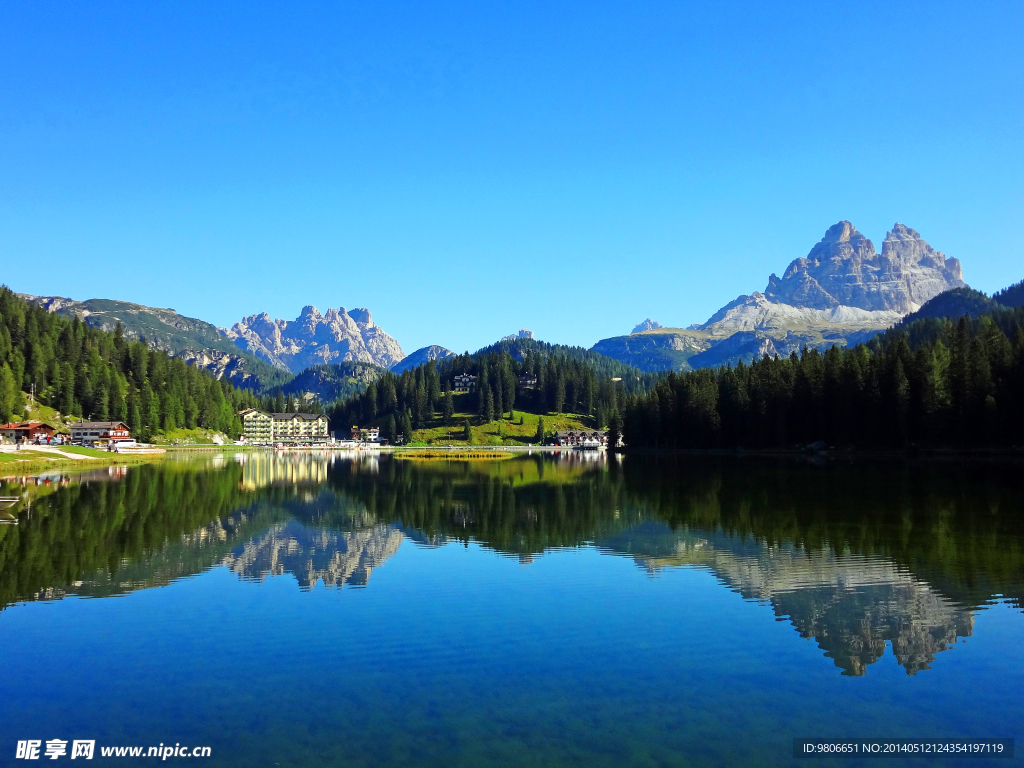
<point x="539" y="437"/>
<point x="559" y="399"/>
<point x="7" y="390"/>
<point x="614" y="430"/>
<point x="420" y="406"/>
<point x="449" y="407"/>
<point x="467" y="432"/>
<point x="407" y="426"/>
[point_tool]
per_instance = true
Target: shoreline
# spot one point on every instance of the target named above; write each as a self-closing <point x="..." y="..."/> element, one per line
<point x="860" y="453"/>
<point x="37" y="458"/>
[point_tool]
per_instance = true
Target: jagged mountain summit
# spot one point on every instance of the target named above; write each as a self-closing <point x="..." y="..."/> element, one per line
<point x="844" y="270"/>
<point x="647" y="325"/>
<point x="339" y="335"/>
<point x="422" y="355"/>
<point x="842" y="292"/>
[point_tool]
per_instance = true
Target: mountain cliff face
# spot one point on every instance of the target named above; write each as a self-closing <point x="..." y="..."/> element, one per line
<point x="842" y="292"/>
<point x="340" y="335"/>
<point x="192" y="340"/>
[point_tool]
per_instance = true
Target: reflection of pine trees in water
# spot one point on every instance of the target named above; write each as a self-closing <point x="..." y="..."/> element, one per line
<point x="854" y="556"/>
<point x="94" y="530"/>
<point x="830" y="548"/>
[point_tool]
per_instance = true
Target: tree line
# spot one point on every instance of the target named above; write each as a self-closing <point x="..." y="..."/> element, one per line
<point x="931" y="382"/>
<point x="94" y="374"/>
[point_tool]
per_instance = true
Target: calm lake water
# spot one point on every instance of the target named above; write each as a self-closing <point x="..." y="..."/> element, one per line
<point x="536" y="611"/>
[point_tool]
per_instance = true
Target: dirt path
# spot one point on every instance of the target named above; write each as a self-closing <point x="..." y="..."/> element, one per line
<point x="47" y="449"/>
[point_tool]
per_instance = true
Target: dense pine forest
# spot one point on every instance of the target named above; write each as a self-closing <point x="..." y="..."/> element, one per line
<point x="90" y="373"/>
<point x="933" y="382"/>
<point x="568" y="380"/>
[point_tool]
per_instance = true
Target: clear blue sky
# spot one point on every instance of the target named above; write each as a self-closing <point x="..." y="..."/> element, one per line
<point x="467" y="169"/>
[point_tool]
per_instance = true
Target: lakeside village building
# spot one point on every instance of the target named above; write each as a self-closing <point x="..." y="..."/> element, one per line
<point x="27" y="431"/>
<point x="261" y="427"/>
<point x="101" y="433"/>
<point x="581" y="438"/>
<point x="366" y="435"/>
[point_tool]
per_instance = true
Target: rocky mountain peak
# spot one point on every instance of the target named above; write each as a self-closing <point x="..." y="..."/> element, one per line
<point x="647" y="325"/>
<point x="842" y="232"/>
<point x="843" y="269"/>
<point x="361" y="315"/>
<point x="312" y="338"/>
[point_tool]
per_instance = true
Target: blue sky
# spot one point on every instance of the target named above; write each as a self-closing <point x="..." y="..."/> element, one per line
<point x="467" y="169"/>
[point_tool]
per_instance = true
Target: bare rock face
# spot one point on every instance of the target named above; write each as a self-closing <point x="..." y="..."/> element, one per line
<point x="337" y="336"/>
<point x="844" y="270"/>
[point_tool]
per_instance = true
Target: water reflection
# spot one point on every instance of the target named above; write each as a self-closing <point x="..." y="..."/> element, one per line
<point x="312" y="555"/>
<point x="849" y="604"/>
<point x="856" y="556"/>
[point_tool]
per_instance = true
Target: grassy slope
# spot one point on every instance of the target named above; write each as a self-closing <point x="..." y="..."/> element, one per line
<point x="187" y="436"/>
<point x="36" y="411"/>
<point x="488" y="434"/>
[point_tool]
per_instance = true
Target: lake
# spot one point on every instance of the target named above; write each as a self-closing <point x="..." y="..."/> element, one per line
<point x="541" y="610"/>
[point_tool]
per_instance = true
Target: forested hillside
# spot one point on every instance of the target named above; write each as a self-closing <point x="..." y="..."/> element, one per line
<point x="91" y="373"/>
<point x="1012" y="296"/>
<point x="569" y="380"/>
<point x="332" y="381"/>
<point x="193" y="340"/>
<point x="932" y="382"/>
<point x="601" y="365"/>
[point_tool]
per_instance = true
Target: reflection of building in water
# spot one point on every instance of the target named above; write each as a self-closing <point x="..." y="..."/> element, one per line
<point x="851" y="605"/>
<point x="268" y="468"/>
<point x="315" y="554"/>
<point x="570" y="456"/>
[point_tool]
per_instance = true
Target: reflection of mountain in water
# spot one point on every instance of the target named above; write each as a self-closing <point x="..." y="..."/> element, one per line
<point x="851" y="605"/>
<point x="314" y="554"/>
<point x="855" y="555"/>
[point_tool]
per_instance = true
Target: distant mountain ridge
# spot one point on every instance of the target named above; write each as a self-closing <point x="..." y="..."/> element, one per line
<point x="332" y="381"/>
<point x="422" y="355"/>
<point x="193" y="340"/>
<point x="842" y="292"/>
<point x="337" y="336"/>
<point x="647" y="325"/>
